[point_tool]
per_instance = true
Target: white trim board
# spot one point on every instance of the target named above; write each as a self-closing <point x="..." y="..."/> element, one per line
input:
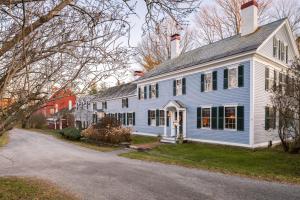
<point x="219" y="142"/>
<point x="145" y="134"/>
<point x="225" y="62"/>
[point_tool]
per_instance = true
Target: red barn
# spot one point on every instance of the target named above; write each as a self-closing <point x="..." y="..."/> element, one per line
<point x="63" y="100"/>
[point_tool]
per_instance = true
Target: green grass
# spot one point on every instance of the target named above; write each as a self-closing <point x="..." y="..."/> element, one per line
<point x="140" y="139"/>
<point x="13" y="188"/>
<point x="4" y="139"/>
<point x="79" y="143"/>
<point x="267" y="164"/>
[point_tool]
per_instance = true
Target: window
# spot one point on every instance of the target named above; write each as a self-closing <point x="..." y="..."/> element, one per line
<point x="178" y="87"/>
<point x="270" y="79"/>
<point x="282" y="56"/>
<point x="51" y="111"/>
<point x="141" y="93"/>
<point x="94" y="106"/>
<point x="270" y="118"/>
<point x="233" y="77"/>
<point x="153" y="91"/>
<point x="161" y="117"/>
<point x="56" y="108"/>
<point x="129" y="119"/>
<point x="206" y="117"/>
<point x="275" y="47"/>
<point x="104" y="105"/>
<point x="208" y="82"/>
<point x="152" y="118"/>
<point x="230" y="118"/>
<point x="70" y="105"/>
<point x="125" y="103"/>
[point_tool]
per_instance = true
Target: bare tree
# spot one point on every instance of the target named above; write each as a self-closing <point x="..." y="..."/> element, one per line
<point x="287" y="9"/>
<point x="66" y="43"/>
<point x="155" y="47"/>
<point x="286" y="102"/>
<point x="222" y="19"/>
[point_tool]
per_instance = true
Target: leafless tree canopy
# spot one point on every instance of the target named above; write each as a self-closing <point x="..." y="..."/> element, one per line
<point x="286" y="101"/>
<point x="155" y="47"/>
<point x="66" y="43"/>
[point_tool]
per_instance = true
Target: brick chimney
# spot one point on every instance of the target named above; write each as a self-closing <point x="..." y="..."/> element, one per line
<point x="138" y="73"/>
<point x="249" y="17"/>
<point x="175" y="45"/>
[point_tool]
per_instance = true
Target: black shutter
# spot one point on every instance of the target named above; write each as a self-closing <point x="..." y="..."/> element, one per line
<point x="221" y="118"/>
<point x="267" y="75"/>
<point x="149" y="120"/>
<point x="124" y="119"/>
<point x="214" y="118"/>
<point x="240" y="118"/>
<point x="157" y="90"/>
<point x="241" y="76"/>
<point x="139" y="93"/>
<point x="168" y="119"/>
<point x="174" y="88"/>
<point x="119" y="117"/>
<point x="275" y="81"/>
<point x="267" y="114"/>
<point x="274" y="119"/>
<point x="127" y="105"/>
<point x="183" y="86"/>
<point x="199" y="117"/>
<point x="122" y="103"/>
<point x="145" y="92"/>
<point x="202" y="82"/>
<point x="127" y="119"/>
<point x="150" y="95"/>
<point x="157" y="117"/>
<point x="133" y="120"/>
<point x="225" y="78"/>
<point x="215" y="80"/>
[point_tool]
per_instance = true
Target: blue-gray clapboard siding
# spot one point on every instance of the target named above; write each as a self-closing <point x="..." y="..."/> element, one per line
<point x="195" y="98"/>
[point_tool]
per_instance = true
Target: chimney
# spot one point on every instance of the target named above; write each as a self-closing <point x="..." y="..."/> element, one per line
<point x="175" y="45"/>
<point x="138" y="73"/>
<point x="249" y="17"/>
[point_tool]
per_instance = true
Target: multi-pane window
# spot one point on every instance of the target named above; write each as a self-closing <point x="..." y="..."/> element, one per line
<point x="270" y="118"/>
<point x="125" y="103"/>
<point x="233" y="77"/>
<point x="208" y="82"/>
<point x="270" y="79"/>
<point x="275" y="47"/>
<point x="152" y="118"/>
<point x="161" y="117"/>
<point x="206" y="117"/>
<point x="94" y="106"/>
<point x="230" y="117"/>
<point x="282" y="56"/>
<point x="130" y="118"/>
<point x="153" y="91"/>
<point x="142" y="93"/>
<point x="104" y="105"/>
<point x="179" y="87"/>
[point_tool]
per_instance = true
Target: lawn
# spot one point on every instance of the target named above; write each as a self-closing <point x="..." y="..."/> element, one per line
<point x="12" y="188"/>
<point x="56" y="134"/>
<point x="4" y="139"/>
<point x="267" y="164"/>
<point x="140" y="139"/>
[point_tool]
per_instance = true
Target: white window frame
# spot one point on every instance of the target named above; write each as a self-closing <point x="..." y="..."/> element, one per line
<point x="142" y="94"/>
<point x="162" y="118"/>
<point x="153" y="91"/>
<point x="206" y="88"/>
<point x="230" y="106"/>
<point x="237" y="77"/>
<point x="282" y="55"/>
<point x="275" y="51"/>
<point x="179" y="87"/>
<point x="130" y="118"/>
<point x="153" y="124"/>
<point x="208" y="128"/>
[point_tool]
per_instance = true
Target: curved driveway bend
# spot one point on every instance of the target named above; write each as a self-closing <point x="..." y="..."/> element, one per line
<point x="95" y="175"/>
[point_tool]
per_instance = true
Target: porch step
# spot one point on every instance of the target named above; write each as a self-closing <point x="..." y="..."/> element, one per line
<point x="170" y="140"/>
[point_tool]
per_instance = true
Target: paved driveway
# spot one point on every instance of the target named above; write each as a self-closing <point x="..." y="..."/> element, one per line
<point x="96" y="175"/>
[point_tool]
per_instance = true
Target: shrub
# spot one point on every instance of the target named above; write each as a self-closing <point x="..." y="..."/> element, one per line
<point x="114" y="135"/>
<point x="37" y="121"/>
<point x="71" y="133"/>
<point x="108" y="122"/>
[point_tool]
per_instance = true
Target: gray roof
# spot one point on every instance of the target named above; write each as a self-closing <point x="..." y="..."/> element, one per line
<point x="119" y="91"/>
<point x="227" y="47"/>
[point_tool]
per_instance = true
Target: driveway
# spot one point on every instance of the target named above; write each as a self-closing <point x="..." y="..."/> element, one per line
<point x="96" y="175"/>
